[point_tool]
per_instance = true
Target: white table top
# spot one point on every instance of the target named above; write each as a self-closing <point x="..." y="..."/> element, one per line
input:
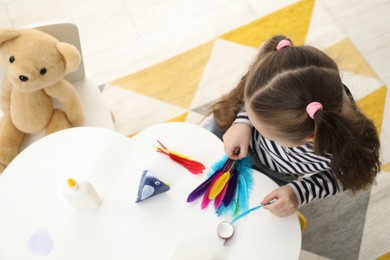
<point x="162" y="227"/>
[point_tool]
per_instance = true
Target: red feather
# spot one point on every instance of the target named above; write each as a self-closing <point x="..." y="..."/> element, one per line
<point x="191" y="165"/>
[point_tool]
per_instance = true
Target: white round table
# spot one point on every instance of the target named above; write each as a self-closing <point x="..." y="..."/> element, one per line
<point x="162" y="227"/>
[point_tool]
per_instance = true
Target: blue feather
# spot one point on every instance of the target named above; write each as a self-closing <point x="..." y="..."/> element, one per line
<point x="218" y="165"/>
<point x="245" y="184"/>
<point x="242" y="194"/>
<point x="245" y="169"/>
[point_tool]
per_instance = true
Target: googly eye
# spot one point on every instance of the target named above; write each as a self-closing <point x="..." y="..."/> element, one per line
<point x="157" y="182"/>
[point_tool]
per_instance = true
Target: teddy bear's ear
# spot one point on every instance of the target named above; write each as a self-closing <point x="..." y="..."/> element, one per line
<point x="8" y="34"/>
<point x="71" y="56"/>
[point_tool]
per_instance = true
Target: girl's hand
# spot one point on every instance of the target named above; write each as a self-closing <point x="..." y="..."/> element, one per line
<point x="286" y="202"/>
<point x="236" y="138"/>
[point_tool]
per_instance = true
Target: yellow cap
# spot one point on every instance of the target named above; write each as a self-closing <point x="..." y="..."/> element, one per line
<point x="71" y="182"/>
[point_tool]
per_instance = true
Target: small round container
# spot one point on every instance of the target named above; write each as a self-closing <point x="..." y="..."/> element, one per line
<point x="225" y="230"/>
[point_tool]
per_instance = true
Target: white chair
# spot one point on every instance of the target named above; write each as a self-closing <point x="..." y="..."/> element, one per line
<point x="96" y="111"/>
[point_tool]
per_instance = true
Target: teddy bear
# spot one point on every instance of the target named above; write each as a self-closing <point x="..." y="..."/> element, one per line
<point x="35" y="97"/>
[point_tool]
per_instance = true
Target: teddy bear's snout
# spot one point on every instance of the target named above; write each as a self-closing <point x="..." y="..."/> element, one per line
<point x="23" y="78"/>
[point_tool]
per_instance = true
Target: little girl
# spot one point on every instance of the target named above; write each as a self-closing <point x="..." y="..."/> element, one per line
<point x="292" y="114"/>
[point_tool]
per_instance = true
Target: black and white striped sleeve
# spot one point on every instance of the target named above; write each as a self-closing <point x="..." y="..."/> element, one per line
<point x="315" y="186"/>
<point x="242" y="117"/>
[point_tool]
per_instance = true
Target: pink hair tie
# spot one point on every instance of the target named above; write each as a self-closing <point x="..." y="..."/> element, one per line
<point x="312" y="108"/>
<point x="283" y="44"/>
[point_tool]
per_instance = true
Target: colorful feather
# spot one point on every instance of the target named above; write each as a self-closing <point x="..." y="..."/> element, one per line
<point x="231" y="208"/>
<point x="221" y="165"/>
<point x="246" y="213"/>
<point x="242" y="194"/>
<point x="245" y="184"/>
<point x="231" y="188"/>
<point x="218" y="200"/>
<point x="206" y="200"/>
<point x="195" y="194"/>
<point x="249" y="211"/>
<point x="245" y="169"/>
<point x="219" y="185"/>
<point x="228" y="184"/>
<point x="235" y="207"/>
<point x="190" y="164"/>
<point x="220" y="210"/>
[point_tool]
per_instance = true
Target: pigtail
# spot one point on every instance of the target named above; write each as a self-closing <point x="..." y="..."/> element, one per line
<point x="353" y="142"/>
<point x="271" y="45"/>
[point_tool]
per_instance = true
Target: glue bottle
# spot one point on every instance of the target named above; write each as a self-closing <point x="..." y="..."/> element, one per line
<point x="82" y="195"/>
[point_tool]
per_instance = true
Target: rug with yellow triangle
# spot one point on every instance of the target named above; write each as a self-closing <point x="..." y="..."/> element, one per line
<point x="182" y="88"/>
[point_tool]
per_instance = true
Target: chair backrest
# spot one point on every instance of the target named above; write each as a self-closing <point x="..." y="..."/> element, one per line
<point x="65" y="32"/>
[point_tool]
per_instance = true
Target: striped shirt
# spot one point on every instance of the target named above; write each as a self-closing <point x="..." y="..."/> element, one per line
<point x="314" y="178"/>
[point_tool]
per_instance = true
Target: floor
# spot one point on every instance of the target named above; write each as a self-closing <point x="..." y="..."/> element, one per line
<point x="119" y="37"/>
<point x="122" y="36"/>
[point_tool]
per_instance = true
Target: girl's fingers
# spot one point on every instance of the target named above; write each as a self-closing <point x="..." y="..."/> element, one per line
<point x="268" y="198"/>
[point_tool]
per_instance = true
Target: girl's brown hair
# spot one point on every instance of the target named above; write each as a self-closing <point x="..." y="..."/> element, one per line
<point x="278" y="87"/>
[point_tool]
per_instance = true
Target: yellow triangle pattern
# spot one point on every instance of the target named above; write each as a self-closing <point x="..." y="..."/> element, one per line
<point x="179" y="118"/>
<point x="293" y="21"/>
<point x="373" y="105"/>
<point x="174" y="81"/>
<point x="348" y="58"/>
<point x="386" y="168"/>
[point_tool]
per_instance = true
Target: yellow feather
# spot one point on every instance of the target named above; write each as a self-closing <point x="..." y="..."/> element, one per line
<point x="180" y="155"/>
<point x="219" y="185"/>
<point x="173" y="152"/>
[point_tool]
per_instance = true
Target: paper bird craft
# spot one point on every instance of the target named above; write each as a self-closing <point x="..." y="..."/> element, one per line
<point x="150" y="186"/>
